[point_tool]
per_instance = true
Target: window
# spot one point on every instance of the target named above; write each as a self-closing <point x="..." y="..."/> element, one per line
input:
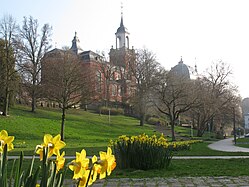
<point x="114" y="90"/>
<point x="98" y="81"/>
<point x="119" y="91"/>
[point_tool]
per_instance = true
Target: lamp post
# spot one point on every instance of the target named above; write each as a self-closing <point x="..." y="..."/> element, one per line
<point x="234" y="129"/>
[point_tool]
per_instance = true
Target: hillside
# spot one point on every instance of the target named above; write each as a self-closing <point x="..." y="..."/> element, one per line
<point x="83" y="129"/>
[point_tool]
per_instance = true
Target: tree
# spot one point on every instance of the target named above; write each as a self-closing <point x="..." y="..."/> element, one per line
<point x="63" y="80"/>
<point x="8" y="74"/>
<point x="32" y="47"/>
<point x="107" y="69"/>
<point x="174" y="95"/>
<point x="216" y="96"/>
<point x="145" y="73"/>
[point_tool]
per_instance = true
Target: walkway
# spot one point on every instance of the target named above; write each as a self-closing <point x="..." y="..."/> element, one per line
<point x="174" y="182"/>
<point x="227" y="146"/>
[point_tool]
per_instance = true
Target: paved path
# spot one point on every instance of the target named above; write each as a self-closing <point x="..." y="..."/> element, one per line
<point x="174" y="182"/>
<point x="227" y="146"/>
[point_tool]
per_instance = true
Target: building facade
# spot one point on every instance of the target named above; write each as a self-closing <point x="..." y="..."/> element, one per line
<point x="110" y="82"/>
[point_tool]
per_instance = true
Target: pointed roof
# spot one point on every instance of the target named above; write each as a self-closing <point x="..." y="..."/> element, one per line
<point x="75" y="44"/>
<point x="122" y="28"/>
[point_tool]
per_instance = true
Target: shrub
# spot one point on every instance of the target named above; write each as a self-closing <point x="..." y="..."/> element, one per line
<point x="154" y="121"/>
<point x="144" y="152"/>
<point x="113" y="111"/>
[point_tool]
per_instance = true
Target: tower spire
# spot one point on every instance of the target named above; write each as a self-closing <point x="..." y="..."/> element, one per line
<point x="75" y="44"/>
<point x="122" y="35"/>
<point x="121" y="23"/>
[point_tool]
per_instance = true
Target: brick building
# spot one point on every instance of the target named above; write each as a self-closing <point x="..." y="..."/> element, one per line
<point x="110" y="82"/>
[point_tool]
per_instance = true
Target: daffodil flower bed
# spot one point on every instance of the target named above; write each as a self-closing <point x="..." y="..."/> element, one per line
<point x="144" y="152"/>
<point x="52" y="171"/>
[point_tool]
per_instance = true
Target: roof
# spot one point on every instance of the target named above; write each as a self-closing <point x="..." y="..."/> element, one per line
<point x="181" y="69"/>
<point x="122" y="28"/>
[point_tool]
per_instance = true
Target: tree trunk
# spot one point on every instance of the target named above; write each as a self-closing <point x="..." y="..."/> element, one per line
<point x="173" y="130"/>
<point x="33" y="103"/>
<point x="6" y="102"/>
<point x="142" y="119"/>
<point x="63" y="123"/>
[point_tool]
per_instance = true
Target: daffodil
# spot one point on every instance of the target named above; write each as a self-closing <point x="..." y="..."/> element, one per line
<point x="60" y="161"/>
<point x="79" y="165"/>
<point x="54" y="144"/>
<point x="5" y="139"/>
<point x="83" y="179"/>
<point x="95" y="168"/>
<point x="107" y="162"/>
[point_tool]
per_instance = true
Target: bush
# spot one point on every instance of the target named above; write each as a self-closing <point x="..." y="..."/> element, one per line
<point x="154" y="121"/>
<point x="142" y="152"/>
<point x="113" y="111"/>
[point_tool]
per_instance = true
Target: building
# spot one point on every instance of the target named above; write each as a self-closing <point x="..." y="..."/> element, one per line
<point x="246" y="118"/>
<point x="181" y="70"/>
<point x="110" y="82"/>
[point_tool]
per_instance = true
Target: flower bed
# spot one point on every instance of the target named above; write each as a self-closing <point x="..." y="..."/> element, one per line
<point x="144" y="152"/>
<point x="51" y="172"/>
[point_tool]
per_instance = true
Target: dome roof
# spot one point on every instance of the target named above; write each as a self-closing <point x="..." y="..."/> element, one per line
<point x="181" y="69"/>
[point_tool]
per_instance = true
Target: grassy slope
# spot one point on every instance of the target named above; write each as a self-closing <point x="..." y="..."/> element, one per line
<point x="82" y="130"/>
<point x="93" y="132"/>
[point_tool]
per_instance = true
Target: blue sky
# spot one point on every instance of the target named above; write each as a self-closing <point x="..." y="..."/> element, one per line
<point x="201" y="31"/>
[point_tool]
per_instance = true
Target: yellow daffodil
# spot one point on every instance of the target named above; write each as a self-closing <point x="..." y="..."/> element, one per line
<point x="54" y="144"/>
<point x="95" y="168"/>
<point x="83" y="179"/>
<point x="39" y="151"/>
<point x="60" y="161"/>
<point x="107" y="162"/>
<point x="5" y="139"/>
<point x="79" y="165"/>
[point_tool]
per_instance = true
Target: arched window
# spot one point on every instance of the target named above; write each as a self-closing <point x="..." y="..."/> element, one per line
<point x="98" y="81"/>
<point x="114" y="90"/>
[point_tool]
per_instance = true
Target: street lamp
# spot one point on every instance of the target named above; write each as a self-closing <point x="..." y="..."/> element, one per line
<point x="234" y="129"/>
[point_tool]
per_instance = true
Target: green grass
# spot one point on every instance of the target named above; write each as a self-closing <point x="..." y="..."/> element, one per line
<point x="83" y="129"/>
<point x="242" y="142"/>
<point x="219" y="167"/>
<point x="86" y="130"/>
<point x="92" y="132"/>
<point x="201" y="149"/>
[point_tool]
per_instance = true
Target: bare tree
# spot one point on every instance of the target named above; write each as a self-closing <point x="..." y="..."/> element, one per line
<point x="89" y="93"/>
<point x="174" y="96"/>
<point x="63" y="81"/>
<point x="32" y="46"/>
<point x="107" y="69"/>
<point x="145" y="73"/>
<point x="216" y="95"/>
<point x="8" y="74"/>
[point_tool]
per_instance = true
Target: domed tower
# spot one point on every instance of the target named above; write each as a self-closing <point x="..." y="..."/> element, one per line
<point x="181" y="70"/>
<point x="122" y="55"/>
<point x="75" y="45"/>
<point x="122" y="35"/>
<point x="123" y="58"/>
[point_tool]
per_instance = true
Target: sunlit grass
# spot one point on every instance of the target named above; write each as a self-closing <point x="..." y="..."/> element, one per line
<point x="82" y="130"/>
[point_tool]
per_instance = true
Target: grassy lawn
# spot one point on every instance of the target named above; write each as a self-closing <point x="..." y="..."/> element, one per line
<point x="82" y="130"/>
<point x="232" y="167"/>
<point x="243" y="142"/>
<point x="92" y="132"/>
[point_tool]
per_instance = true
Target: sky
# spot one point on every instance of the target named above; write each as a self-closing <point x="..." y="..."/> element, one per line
<point x="202" y="32"/>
